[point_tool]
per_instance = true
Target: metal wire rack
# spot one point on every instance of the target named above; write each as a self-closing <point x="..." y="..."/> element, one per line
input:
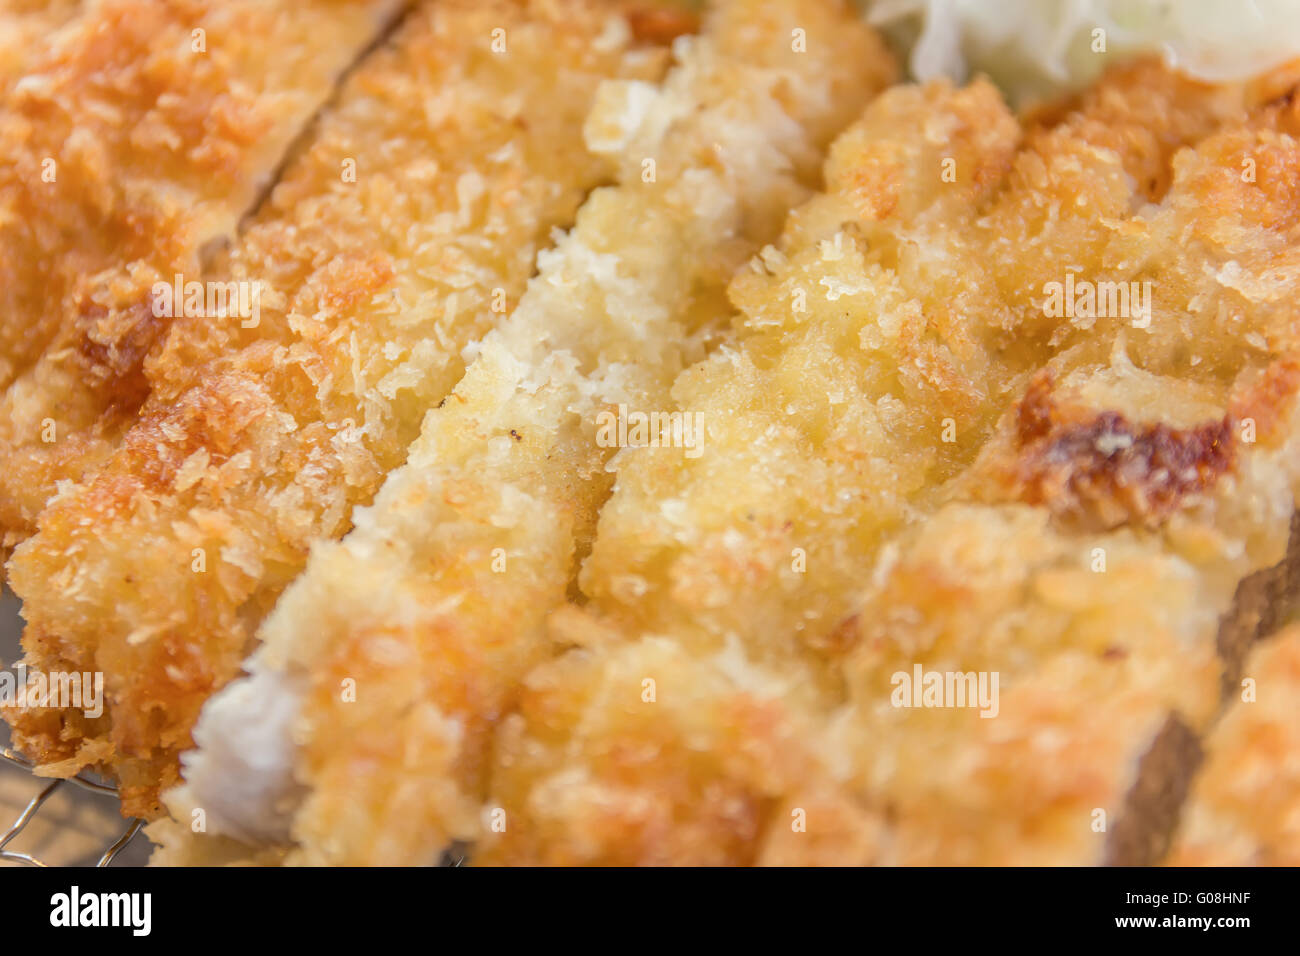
<point x="15" y="767"/>
<point x="33" y="807"/>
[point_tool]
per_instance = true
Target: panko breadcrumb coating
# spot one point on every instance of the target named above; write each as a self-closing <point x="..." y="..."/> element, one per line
<point x="435" y="604"/>
<point x="133" y="144"/>
<point x="1010" y="405"/>
<point x="925" y="465"/>
<point x="397" y="238"/>
<point x="1244" y="809"/>
<point x="647" y="752"/>
<point x="28" y="28"/>
<point x="1121" y="505"/>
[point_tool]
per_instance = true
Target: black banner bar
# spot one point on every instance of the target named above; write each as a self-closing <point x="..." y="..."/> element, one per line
<point x="463" y="903"/>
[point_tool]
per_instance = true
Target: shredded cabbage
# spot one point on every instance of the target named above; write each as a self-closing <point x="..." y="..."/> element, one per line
<point x="1037" y="48"/>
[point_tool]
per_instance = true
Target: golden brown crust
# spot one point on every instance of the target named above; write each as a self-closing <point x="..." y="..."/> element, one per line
<point x="737" y="778"/>
<point x="142" y="133"/>
<point x="846" y="522"/>
<point x="27" y="27"/>
<point x="436" y="603"/>
<point x="911" y="463"/>
<point x="257" y="441"/>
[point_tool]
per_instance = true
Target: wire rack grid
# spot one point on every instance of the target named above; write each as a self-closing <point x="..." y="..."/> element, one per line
<point x="34" y="805"/>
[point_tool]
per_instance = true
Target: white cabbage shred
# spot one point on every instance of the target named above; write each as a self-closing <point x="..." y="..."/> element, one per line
<point x="1038" y="48"/>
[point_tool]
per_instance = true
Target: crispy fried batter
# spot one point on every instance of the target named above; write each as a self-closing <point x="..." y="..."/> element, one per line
<point x="846" y="520"/>
<point x="257" y="441"/>
<point x="1244" y="809"/>
<point x="1090" y="665"/>
<point x="28" y="27"/>
<point x="435" y="605"/>
<point x="133" y="142"/>
<point x="1012" y="402"/>
<point x="645" y="753"/>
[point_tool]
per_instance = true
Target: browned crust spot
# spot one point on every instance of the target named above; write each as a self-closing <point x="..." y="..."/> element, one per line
<point x="1102" y="470"/>
<point x="112" y="348"/>
<point x="659" y="26"/>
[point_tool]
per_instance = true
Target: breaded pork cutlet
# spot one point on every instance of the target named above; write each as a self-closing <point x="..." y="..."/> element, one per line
<point x="691" y="549"/>
<point x="1244" y="808"/>
<point x="1094" y="556"/>
<point x="435" y="605"/>
<point x="914" y="457"/>
<point x="401" y="233"/>
<point x="136" y="138"/>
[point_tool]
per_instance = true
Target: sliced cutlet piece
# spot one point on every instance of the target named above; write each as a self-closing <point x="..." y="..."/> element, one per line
<point x="835" y="429"/>
<point x="436" y="603"/>
<point x="415" y="213"/>
<point x="601" y="766"/>
<point x="137" y="138"/>
<point x="1096" y="555"/>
